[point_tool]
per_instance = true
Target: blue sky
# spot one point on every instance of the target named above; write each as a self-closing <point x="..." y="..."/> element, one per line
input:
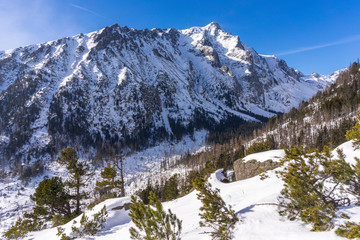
<point x="320" y="36"/>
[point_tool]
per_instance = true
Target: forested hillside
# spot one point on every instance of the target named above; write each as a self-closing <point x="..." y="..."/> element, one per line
<point x="322" y="120"/>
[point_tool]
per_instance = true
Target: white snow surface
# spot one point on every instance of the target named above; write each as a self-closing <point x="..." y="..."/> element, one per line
<point x="140" y="167"/>
<point x="274" y="155"/>
<point x="257" y="222"/>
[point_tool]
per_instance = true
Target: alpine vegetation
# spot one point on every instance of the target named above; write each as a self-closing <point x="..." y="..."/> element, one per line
<point x="214" y="211"/>
<point x="317" y="184"/>
<point x="152" y="222"/>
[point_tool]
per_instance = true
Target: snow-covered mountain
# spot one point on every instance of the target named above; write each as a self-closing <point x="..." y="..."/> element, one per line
<point x="120" y="84"/>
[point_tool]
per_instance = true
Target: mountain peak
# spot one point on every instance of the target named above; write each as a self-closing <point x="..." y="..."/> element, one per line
<point x="315" y="74"/>
<point x="213" y="25"/>
<point x="138" y="83"/>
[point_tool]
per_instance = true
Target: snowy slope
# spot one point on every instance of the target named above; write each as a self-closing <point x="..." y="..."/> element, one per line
<point x="132" y="86"/>
<point x="257" y="221"/>
<point x="274" y="155"/>
<point x="139" y="168"/>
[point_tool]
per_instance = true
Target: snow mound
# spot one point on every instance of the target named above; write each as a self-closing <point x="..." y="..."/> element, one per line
<point x="349" y="152"/>
<point x="274" y="155"/>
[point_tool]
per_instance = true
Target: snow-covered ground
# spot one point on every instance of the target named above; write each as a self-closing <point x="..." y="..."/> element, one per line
<point x="275" y="155"/>
<point x="140" y="167"/>
<point x="257" y="221"/>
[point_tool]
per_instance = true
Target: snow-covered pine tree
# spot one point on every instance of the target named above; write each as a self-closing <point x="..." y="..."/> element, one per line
<point x="354" y="133"/>
<point x="313" y="186"/>
<point x="171" y="190"/>
<point x="152" y="222"/>
<point x="214" y="211"/>
<point x="109" y="182"/>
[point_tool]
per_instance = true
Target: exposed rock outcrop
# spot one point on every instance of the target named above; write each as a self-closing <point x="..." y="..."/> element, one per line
<point x="251" y="168"/>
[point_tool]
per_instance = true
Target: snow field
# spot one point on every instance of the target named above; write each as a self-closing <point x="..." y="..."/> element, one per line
<point x="247" y="197"/>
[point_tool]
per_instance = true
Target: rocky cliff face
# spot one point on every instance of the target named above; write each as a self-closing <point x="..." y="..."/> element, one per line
<point x="122" y="85"/>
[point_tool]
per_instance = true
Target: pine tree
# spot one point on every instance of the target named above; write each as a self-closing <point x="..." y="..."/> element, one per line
<point x="214" y="211"/>
<point x="21" y="227"/>
<point x="349" y="230"/>
<point x="171" y="188"/>
<point x="354" y="133"/>
<point x="312" y="186"/>
<point x="78" y="172"/>
<point x="152" y="222"/>
<point x="51" y="198"/>
<point x="109" y="181"/>
<point x="118" y="162"/>
<point x="88" y="227"/>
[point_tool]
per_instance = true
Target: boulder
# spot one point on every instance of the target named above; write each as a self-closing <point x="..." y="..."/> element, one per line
<point x="251" y="168"/>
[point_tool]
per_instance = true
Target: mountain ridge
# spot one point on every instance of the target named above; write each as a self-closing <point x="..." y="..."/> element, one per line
<point x="120" y="85"/>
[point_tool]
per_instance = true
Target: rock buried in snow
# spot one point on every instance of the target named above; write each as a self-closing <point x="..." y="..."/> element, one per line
<point x="247" y="169"/>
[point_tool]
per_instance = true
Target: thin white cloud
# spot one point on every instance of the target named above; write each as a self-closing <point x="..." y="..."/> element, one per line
<point x="304" y="49"/>
<point x="88" y="10"/>
<point x="26" y="22"/>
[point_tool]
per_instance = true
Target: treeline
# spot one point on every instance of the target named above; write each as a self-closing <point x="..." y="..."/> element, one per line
<point x="326" y="183"/>
<point x="57" y="201"/>
<point x="201" y="164"/>
<point x="323" y="119"/>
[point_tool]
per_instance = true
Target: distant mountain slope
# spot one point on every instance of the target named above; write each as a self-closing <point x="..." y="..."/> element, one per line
<point x="121" y="86"/>
<point x="321" y="120"/>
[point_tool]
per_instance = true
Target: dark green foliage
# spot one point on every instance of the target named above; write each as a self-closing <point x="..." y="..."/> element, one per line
<point x="109" y="185"/>
<point x="354" y="181"/>
<point x="224" y="161"/>
<point x="91" y="227"/>
<point x="87" y="227"/>
<point x="269" y="144"/>
<point x="171" y="190"/>
<point x="62" y="235"/>
<point x="156" y="189"/>
<point x="190" y="177"/>
<point x="233" y="127"/>
<point x="78" y="172"/>
<point x="23" y="226"/>
<point x="349" y="230"/>
<point x="307" y="197"/>
<point x="51" y="202"/>
<point x="58" y="220"/>
<point x="335" y="136"/>
<point x="354" y="133"/>
<point x="51" y="198"/>
<point x="152" y="222"/>
<point x="214" y="211"/>
<point x="118" y="164"/>
<point x="205" y="163"/>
